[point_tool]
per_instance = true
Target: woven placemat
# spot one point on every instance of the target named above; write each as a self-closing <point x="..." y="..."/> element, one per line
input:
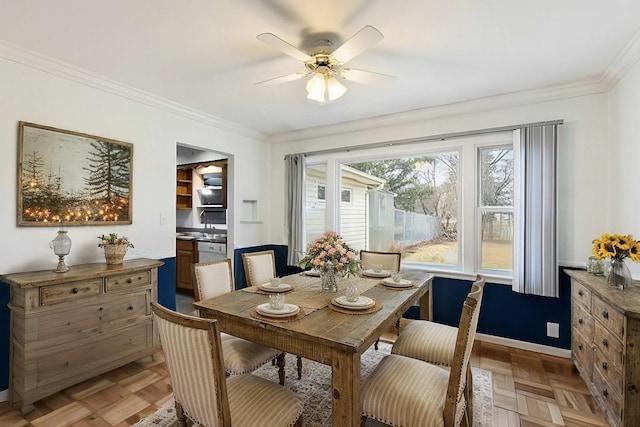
<point x="376" y="307"/>
<point x="299" y="315"/>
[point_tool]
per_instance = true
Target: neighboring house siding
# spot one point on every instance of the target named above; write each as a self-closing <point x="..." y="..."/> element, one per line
<point x="353" y="217"/>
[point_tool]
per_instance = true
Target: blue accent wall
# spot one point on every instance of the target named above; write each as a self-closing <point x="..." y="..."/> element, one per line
<point x="167" y="283"/>
<point x="505" y="313"/>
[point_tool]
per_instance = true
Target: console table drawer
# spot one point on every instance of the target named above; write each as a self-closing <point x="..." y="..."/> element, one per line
<point x="582" y="321"/>
<point x="125" y="281"/>
<point x="69" y="291"/>
<point x="608" y="316"/>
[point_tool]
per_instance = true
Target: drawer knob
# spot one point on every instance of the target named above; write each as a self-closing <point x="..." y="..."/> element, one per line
<point x="581" y="321"/>
<point x="129" y="280"/>
<point x="580" y="293"/>
<point x="605" y="366"/>
<point x="74" y="291"/>
<point x="130" y="307"/>
<point x="605" y="392"/>
<point x="605" y="342"/>
<point x="605" y="314"/>
<point x="579" y="346"/>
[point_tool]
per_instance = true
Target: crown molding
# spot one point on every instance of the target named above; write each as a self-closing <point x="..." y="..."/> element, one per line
<point x="622" y="63"/>
<point x="496" y="102"/>
<point x="70" y="72"/>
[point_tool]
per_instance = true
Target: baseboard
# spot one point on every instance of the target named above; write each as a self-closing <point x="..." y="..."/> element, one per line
<point x="523" y="345"/>
<point x="4" y="395"/>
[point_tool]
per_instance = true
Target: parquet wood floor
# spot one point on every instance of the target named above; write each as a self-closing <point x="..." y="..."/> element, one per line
<point x="530" y="390"/>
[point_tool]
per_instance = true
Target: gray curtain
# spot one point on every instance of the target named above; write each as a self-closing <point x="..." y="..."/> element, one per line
<point x="535" y="269"/>
<point x="294" y="209"/>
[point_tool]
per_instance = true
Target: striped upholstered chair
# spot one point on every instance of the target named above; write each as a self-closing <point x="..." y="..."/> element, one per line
<point x="193" y="353"/>
<point x="434" y="342"/>
<point x="402" y="391"/>
<point x="240" y="356"/>
<point x="259" y="268"/>
<point x="388" y="260"/>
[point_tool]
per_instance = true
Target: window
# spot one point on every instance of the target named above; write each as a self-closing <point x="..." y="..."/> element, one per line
<point x="345" y="195"/>
<point x="320" y="191"/>
<point x="495" y="208"/>
<point x="445" y="205"/>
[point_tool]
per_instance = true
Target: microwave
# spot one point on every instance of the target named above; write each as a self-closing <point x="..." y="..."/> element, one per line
<point x="211" y="196"/>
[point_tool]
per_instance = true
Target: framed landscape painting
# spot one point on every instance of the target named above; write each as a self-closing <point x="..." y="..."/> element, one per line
<point x="71" y="178"/>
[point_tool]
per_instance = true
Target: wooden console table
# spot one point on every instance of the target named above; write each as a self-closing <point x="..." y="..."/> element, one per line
<point x="605" y="344"/>
<point x="69" y="327"/>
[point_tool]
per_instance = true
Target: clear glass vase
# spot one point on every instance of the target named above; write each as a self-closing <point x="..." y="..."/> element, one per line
<point x="618" y="274"/>
<point x="328" y="278"/>
<point x="61" y="246"/>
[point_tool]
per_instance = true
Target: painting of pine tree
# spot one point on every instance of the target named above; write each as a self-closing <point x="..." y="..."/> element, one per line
<point x="70" y="178"/>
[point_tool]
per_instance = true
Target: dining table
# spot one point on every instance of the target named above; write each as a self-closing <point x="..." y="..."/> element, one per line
<point x="320" y="329"/>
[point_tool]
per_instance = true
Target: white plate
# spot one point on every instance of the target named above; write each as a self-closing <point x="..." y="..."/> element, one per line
<point x="401" y="284"/>
<point x="362" y="303"/>
<point x="284" y="287"/>
<point x="381" y="273"/>
<point x="312" y="273"/>
<point x="286" y="311"/>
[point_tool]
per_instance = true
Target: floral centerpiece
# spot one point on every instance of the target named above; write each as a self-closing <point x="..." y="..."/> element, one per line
<point x="617" y="247"/>
<point x="115" y="247"/>
<point x="331" y="256"/>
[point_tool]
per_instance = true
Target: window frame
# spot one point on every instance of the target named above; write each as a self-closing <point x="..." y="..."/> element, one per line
<point x="468" y="192"/>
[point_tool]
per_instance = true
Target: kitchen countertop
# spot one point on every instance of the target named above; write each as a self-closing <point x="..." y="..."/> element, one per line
<point x="200" y="235"/>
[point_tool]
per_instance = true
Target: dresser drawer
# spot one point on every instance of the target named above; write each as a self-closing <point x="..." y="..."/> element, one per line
<point x="582" y="352"/>
<point x="582" y="321"/>
<point x="125" y="281"/>
<point x="607" y="396"/>
<point x="69" y="291"/>
<point x="609" y="346"/>
<point x="128" y="310"/>
<point x="88" y="355"/>
<point x="608" y="316"/>
<point x="610" y="373"/>
<point x="581" y="295"/>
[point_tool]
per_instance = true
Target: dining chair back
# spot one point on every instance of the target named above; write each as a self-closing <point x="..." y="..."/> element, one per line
<point x="259" y="267"/>
<point x="241" y="356"/>
<point x="388" y="260"/>
<point x="193" y="354"/>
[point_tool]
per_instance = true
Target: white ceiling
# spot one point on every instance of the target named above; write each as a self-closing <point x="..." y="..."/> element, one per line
<point x="204" y="53"/>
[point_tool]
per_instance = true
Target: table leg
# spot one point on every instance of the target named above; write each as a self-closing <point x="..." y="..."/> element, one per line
<point x="426" y="303"/>
<point x="345" y="388"/>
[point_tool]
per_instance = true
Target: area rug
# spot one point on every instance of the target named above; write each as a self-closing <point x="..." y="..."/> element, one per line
<point x="315" y="385"/>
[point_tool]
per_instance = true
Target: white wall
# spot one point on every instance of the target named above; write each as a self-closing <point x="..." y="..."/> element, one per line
<point x="583" y="144"/>
<point x="623" y="196"/>
<point x="38" y="93"/>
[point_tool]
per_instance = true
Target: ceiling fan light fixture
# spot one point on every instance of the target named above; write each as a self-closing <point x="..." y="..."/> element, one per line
<point x="335" y="89"/>
<point x="323" y="88"/>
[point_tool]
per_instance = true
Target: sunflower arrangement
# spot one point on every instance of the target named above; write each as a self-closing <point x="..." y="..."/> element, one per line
<point x="331" y="249"/>
<point x="616" y="246"/>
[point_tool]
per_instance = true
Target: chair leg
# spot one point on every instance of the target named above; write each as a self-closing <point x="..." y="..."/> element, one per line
<point x="280" y="363"/>
<point x="299" y="367"/>
<point x="468" y="391"/>
<point x="180" y="415"/>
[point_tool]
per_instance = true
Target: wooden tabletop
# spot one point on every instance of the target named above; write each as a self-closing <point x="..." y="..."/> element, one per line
<point x="320" y="328"/>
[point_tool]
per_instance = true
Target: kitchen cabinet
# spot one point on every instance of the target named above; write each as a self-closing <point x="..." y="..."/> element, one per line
<point x="605" y="344"/>
<point x="186" y="256"/>
<point x="184" y="188"/>
<point x="69" y="327"/>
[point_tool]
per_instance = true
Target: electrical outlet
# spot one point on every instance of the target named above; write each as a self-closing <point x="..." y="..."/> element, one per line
<point x="163" y="218"/>
<point x="553" y="330"/>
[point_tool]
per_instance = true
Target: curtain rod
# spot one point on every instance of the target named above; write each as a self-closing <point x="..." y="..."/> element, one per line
<point x="440" y="137"/>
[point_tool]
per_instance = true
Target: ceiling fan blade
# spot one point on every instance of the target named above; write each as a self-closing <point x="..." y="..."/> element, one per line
<point x="361" y="76"/>
<point x="278" y="43"/>
<point x="283" y="79"/>
<point x="361" y="41"/>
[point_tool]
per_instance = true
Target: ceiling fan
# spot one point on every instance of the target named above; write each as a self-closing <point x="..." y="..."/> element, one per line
<point x="325" y="66"/>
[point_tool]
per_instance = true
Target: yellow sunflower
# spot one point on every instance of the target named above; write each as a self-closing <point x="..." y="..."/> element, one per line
<point x="634" y="252"/>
